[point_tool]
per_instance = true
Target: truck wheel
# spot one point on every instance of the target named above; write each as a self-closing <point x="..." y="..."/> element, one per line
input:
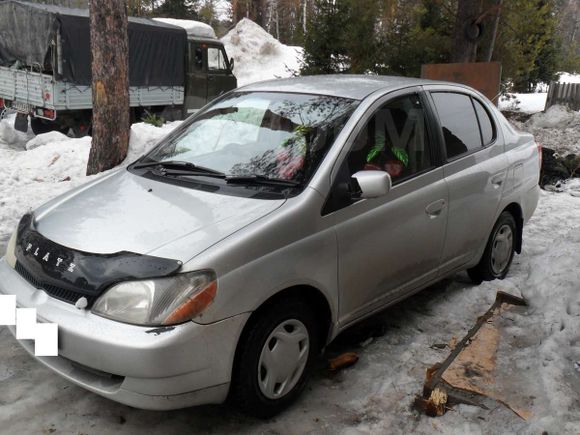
<point x="499" y="251"/>
<point x="275" y="357"/>
<point x="40" y="126"/>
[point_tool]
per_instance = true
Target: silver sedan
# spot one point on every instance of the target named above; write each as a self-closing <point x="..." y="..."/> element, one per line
<point x="222" y="262"/>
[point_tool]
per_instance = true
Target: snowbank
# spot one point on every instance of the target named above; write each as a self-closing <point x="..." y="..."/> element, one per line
<point x="526" y="103"/>
<point x="258" y="55"/>
<point x="555" y="117"/>
<point x="558" y="128"/>
<point x="193" y="28"/>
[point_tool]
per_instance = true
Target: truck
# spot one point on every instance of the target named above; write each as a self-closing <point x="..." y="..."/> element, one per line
<point x="45" y="67"/>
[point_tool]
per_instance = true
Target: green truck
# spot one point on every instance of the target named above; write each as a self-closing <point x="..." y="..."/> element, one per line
<point x="45" y="67"/>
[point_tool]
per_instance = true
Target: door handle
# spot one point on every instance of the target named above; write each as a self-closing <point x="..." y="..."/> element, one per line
<point x="434" y="209"/>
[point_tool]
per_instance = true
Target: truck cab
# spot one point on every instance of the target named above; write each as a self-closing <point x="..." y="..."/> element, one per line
<point x="208" y="73"/>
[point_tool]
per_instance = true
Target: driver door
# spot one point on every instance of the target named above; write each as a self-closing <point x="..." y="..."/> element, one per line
<point x="389" y="246"/>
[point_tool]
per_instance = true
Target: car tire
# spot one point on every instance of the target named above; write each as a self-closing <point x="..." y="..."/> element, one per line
<point x="282" y="333"/>
<point x="499" y="251"/>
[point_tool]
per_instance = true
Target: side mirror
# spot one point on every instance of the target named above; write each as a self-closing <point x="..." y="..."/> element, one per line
<point x="373" y="184"/>
<point x="232" y="63"/>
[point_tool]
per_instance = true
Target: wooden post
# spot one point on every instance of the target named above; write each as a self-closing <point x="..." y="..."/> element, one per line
<point x="110" y="84"/>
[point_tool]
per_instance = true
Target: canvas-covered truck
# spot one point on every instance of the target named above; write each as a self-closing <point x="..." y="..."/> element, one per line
<point x="45" y="67"/>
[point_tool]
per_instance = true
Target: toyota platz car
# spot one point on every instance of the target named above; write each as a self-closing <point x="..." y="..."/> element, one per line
<point x="223" y="261"/>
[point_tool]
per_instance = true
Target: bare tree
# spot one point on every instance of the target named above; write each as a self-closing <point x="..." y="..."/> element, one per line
<point x="110" y="84"/>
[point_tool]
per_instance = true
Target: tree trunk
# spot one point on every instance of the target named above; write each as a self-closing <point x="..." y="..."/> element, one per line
<point x="110" y="84"/>
<point x="495" y="25"/>
<point x="465" y="44"/>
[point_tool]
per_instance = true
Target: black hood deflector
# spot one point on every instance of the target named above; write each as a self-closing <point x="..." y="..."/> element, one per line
<point x="69" y="274"/>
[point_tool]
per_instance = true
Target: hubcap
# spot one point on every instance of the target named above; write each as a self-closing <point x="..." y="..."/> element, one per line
<point x="502" y="249"/>
<point x="283" y="359"/>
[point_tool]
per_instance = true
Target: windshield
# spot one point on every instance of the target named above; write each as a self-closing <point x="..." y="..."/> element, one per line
<point x="274" y="135"/>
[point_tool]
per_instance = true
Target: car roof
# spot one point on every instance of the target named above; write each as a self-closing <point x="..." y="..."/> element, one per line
<point x="356" y="87"/>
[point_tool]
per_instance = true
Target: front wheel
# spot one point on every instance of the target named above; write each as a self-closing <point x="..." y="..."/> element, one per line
<point x="499" y="251"/>
<point x="275" y="357"/>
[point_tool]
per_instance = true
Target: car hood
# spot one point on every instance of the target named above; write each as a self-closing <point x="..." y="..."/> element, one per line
<point x="126" y="212"/>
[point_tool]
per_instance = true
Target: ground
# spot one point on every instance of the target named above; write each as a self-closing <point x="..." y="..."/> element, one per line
<point x="395" y="347"/>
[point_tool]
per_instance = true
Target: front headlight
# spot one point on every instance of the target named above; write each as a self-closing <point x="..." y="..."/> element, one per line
<point x="161" y="301"/>
<point x="11" y="250"/>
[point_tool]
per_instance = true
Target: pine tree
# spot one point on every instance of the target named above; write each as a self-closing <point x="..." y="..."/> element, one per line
<point x="527" y="43"/>
<point x="110" y="84"/>
<point x="324" y="43"/>
<point x="183" y="9"/>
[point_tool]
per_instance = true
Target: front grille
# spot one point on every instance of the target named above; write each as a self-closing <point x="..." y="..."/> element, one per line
<point x="56" y="292"/>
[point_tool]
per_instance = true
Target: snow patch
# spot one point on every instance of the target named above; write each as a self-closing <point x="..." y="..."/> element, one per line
<point x="258" y="55"/>
<point x="526" y="103"/>
<point x="193" y="28"/>
<point x="45" y="139"/>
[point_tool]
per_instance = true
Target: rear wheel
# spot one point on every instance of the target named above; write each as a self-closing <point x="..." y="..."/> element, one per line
<point x="41" y="126"/>
<point x="499" y="251"/>
<point x="275" y="357"/>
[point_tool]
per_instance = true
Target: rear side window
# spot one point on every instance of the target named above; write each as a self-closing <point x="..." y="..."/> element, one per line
<point x="485" y="123"/>
<point x="459" y="123"/>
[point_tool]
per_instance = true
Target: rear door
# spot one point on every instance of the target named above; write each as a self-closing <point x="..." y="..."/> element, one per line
<point x="196" y="81"/>
<point x="219" y="75"/>
<point x="475" y="172"/>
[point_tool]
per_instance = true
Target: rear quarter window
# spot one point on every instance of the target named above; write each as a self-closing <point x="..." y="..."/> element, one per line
<point x="485" y="123"/>
<point x="458" y="122"/>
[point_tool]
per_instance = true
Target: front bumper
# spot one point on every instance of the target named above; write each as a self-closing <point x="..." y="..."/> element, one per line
<point x="169" y="368"/>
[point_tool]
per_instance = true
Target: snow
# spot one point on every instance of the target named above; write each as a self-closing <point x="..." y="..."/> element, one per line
<point x="258" y="55"/>
<point x="193" y="28"/>
<point x="526" y="103"/>
<point x="558" y="128"/>
<point x="569" y="78"/>
<point x="534" y="102"/>
<point x="555" y="117"/>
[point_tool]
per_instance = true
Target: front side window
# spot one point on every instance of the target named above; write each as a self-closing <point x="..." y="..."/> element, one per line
<point x="394" y="140"/>
<point x="459" y="123"/>
<point x="216" y="61"/>
<point x="267" y="134"/>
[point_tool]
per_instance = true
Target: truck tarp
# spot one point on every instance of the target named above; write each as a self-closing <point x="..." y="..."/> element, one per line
<point x="156" y="50"/>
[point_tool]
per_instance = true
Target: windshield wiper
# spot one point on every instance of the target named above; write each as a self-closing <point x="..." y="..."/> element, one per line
<point x="176" y="167"/>
<point x="260" y="179"/>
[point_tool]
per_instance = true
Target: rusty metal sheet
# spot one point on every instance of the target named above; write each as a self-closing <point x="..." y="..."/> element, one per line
<point x="483" y="76"/>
